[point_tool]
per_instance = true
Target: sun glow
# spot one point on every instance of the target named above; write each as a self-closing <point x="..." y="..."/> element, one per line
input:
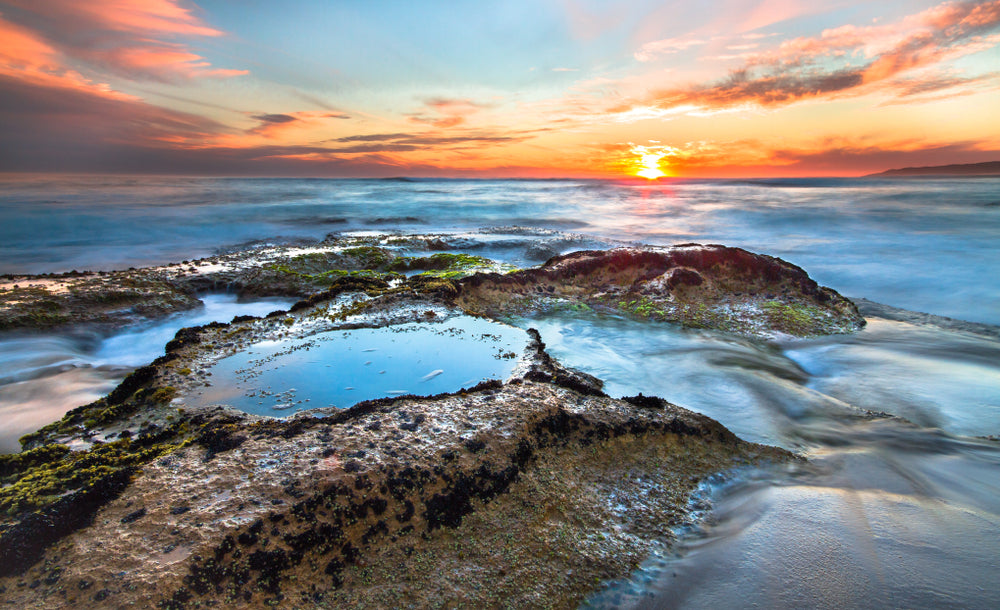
<point x="650" y="165"/>
<point x="646" y="160"/>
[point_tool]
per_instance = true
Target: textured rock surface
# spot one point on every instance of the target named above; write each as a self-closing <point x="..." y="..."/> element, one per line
<point x="118" y="298"/>
<point x="699" y="286"/>
<point x="528" y="492"/>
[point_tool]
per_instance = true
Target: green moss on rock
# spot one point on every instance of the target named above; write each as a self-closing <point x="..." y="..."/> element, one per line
<point x="13" y="464"/>
<point x="56" y="471"/>
<point x="370" y="257"/>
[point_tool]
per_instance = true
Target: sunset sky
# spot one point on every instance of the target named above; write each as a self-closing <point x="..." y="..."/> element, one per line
<point x="537" y="88"/>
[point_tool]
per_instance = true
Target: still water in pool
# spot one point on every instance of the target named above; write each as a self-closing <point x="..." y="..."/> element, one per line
<point x="342" y="367"/>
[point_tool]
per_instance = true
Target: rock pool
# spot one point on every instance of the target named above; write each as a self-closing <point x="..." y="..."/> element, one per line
<point x="339" y="368"/>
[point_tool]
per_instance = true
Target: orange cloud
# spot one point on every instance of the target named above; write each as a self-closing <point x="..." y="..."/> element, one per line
<point x="25" y="56"/>
<point x="848" y="60"/>
<point x="131" y="38"/>
<point x="830" y="156"/>
<point x="446" y="112"/>
<point x="21" y="47"/>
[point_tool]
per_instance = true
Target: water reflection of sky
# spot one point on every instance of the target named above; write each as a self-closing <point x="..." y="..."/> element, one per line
<point x="341" y="368"/>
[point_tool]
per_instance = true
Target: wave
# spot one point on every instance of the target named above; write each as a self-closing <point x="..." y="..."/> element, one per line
<point x="389" y="220"/>
<point x="314" y="220"/>
<point x="559" y="223"/>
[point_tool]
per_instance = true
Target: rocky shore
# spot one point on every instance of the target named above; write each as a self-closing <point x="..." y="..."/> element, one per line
<point x="528" y="491"/>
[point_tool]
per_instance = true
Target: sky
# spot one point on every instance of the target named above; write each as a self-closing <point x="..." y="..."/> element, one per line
<point x="534" y="89"/>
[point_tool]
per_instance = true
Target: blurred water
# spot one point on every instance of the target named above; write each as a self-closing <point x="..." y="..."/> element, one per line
<point x="42" y="376"/>
<point x="925" y="245"/>
<point x="886" y="513"/>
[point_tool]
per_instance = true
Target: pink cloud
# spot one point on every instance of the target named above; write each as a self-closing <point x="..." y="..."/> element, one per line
<point x="25" y="56"/>
<point x="160" y="61"/>
<point x="446" y="112"/>
<point x="945" y="31"/>
<point x="131" y="38"/>
<point x="848" y="60"/>
<point x="136" y="16"/>
<point x="652" y="50"/>
<point x="770" y="12"/>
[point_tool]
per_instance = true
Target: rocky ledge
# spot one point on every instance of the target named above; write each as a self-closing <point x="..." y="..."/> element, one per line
<point x="112" y="299"/>
<point x="529" y="491"/>
<point x="714" y="287"/>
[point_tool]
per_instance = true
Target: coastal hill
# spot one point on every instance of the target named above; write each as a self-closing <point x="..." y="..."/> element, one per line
<point x="989" y="168"/>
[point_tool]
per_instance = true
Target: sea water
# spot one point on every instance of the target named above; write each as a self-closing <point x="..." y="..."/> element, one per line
<point x="924" y="245"/>
<point x="339" y="368"/>
<point x="886" y="512"/>
<point x="44" y="375"/>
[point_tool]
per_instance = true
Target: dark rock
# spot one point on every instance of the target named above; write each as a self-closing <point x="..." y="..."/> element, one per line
<point x="23" y="543"/>
<point x="134" y="516"/>
<point x="712" y="286"/>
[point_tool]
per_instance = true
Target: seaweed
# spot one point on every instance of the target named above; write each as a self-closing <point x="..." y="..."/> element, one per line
<point x="42" y="482"/>
<point x="14" y="464"/>
<point x="370" y="257"/>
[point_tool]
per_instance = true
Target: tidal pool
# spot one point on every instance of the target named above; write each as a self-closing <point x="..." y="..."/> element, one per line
<point x="339" y="368"/>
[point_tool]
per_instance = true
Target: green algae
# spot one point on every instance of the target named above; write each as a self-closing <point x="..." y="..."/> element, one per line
<point x="316" y="271"/>
<point x="324" y="278"/>
<point x="445" y="265"/>
<point x="45" y="473"/>
<point x="643" y="307"/>
<point x="16" y="463"/>
<point x="370" y="257"/>
<point x="441" y="261"/>
<point x="792" y="318"/>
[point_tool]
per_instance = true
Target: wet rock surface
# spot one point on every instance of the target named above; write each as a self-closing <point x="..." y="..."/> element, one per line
<point x="521" y="492"/>
<point x="114" y="299"/>
<point x="888" y="312"/>
<point x="528" y="491"/>
<point x="100" y="299"/>
<point x="715" y="287"/>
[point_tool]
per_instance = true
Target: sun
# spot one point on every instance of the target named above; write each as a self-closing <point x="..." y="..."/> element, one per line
<point x="645" y="161"/>
<point x="649" y="166"/>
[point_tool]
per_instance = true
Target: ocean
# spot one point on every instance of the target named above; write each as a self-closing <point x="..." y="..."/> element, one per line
<point x="886" y="512"/>
<point x="925" y="245"/>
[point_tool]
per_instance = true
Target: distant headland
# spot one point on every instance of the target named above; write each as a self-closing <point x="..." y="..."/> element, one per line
<point x="989" y="168"/>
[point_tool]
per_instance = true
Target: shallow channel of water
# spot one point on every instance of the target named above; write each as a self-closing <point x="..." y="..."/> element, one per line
<point x="886" y="513"/>
<point x="42" y="376"/>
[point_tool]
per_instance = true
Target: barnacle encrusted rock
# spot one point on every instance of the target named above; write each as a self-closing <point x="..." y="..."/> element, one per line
<point x="527" y="492"/>
<point x="698" y="286"/>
